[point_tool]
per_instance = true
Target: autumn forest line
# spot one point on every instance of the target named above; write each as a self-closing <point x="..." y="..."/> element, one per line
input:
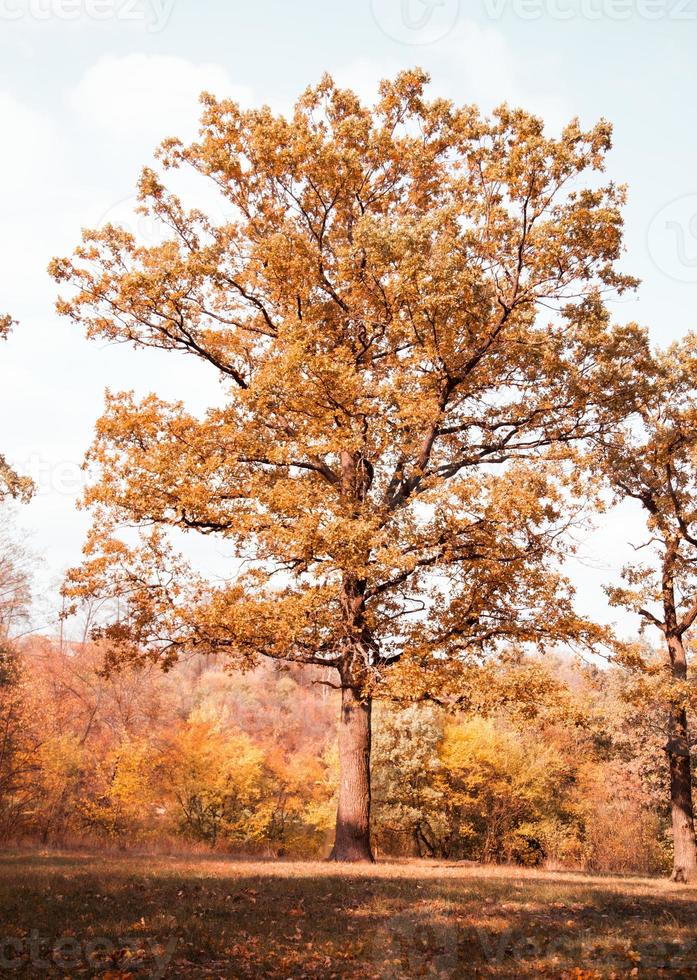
<point x="570" y="775"/>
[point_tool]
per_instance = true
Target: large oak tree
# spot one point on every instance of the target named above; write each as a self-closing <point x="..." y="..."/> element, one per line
<point x="404" y="306"/>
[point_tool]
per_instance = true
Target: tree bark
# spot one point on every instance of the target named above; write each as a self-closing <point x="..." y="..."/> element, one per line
<point x="352" y="840"/>
<point x="684" y="848"/>
<point x="682" y="811"/>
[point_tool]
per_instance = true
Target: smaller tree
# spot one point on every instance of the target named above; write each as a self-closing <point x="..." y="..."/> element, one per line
<point x="214" y="780"/>
<point x="18" y="742"/>
<point x="652" y="459"/>
<point x="18" y="748"/>
<point x="409" y="809"/>
<point x="119" y="804"/>
<point x="504" y="789"/>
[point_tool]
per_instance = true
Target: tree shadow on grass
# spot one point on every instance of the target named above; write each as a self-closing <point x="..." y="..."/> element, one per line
<point x="233" y="920"/>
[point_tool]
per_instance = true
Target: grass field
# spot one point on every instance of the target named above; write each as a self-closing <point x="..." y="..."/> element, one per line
<point x="70" y="916"/>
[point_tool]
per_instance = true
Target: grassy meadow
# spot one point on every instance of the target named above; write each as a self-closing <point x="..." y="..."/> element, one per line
<point x="70" y="915"/>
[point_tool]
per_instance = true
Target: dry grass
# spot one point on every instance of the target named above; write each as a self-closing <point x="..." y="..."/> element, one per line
<point x="78" y="915"/>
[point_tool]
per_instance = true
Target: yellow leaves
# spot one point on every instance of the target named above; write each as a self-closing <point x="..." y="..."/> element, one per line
<point x="213" y="779"/>
<point x="485" y="762"/>
<point x="224" y="788"/>
<point x="132" y="772"/>
<point x="465" y="786"/>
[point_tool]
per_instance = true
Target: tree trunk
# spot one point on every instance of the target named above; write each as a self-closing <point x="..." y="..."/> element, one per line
<point x="684" y="847"/>
<point x="682" y="812"/>
<point x="352" y="841"/>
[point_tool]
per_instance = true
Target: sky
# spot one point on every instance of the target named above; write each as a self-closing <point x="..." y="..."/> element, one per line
<point x="89" y="87"/>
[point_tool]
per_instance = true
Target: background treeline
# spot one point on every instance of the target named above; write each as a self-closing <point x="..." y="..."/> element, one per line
<point x="573" y="775"/>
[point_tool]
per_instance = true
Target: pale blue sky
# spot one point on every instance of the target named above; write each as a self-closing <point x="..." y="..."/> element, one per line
<point x="88" y="87"/>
